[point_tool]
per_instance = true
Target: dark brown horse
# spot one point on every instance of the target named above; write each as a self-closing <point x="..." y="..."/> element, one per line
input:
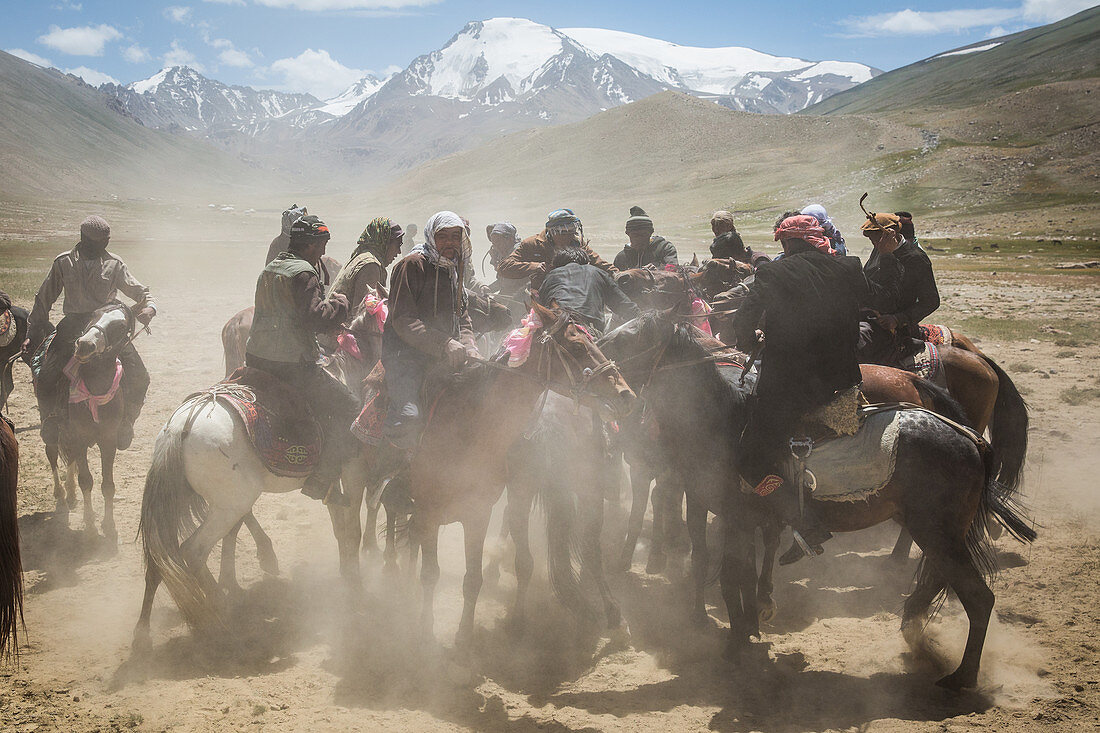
<point x="459" y="479"/>
<point x="11" y="570"/>
<point x="97" y="404"/>
<point x="943" y="488"/>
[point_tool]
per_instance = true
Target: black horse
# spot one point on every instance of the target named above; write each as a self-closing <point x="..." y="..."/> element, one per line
<point x="942" y="490"/>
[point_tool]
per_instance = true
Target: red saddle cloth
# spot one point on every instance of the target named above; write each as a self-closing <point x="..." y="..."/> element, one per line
<point x="277" y="419"/>
<point x="368" y="426"/>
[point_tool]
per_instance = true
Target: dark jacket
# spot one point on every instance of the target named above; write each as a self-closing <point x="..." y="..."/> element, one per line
<point x="586" y="290"/>
<point x="529" y="256"/>
<point x="291" y="309"/>
<point x="658" y="252"/>
<point x="918" y="296"/>
<point x="730" y="246"/>
<point x="427" y="309"/>
<point x="810" y="302"/>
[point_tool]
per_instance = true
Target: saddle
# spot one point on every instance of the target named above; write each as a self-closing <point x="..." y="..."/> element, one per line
<point x="936" y="334"/>
<point x="278" y="420"/>
<point x="926" y="364"/>
<point x="376" y="402"/>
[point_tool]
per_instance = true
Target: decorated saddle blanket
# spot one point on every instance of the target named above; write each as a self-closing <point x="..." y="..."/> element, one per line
<point x="926" y="364"/>
<point x="8" y="328"/>
<point x="368" y="426"/>
<point x="938" y="335"/>
<point x="278" y="420"/>
<point x="39" y="357"/>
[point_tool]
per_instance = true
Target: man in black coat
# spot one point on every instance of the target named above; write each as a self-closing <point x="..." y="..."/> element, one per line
<point x="810" y="302"/>
<point x="890" y="336"/>
<point x="645" y="247"/>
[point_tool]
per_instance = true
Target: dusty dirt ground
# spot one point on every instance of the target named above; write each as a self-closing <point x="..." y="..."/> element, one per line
<point x="309" y="655"/>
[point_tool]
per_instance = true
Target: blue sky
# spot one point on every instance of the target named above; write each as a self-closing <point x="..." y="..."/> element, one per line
<point x="321" y="46"/>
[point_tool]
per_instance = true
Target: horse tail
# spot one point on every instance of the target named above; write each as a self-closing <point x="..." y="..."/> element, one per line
<point x="11" y="568"/>
<point x="170" y="510"/>
<point x="940" y="401"/>
<point x="997" y="500"/>
<point x="1008" y="429"/>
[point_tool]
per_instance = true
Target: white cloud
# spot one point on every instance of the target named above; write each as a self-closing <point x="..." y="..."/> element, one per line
<point x="135" y="54"/>
<point x="1048" y="11"/>
<point x="179" y="56"/>
<point x="317" y="73"/>
<point x="910" y="22"/>
<point x="177" y="13"/>
<point x="346" y="4"/>
<point x="28" y="56"/>
<point x="235" y="57"/>
<point x="225" y="2"/>
<point x="87" y="40"/>
<point x="91" y="76"/>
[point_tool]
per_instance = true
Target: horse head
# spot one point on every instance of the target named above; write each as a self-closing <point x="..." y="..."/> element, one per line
<point x="109" y="329"/>
<point x="660" y="289"/>
<point x="592" y="378"/>
<point x="719" y="275"/>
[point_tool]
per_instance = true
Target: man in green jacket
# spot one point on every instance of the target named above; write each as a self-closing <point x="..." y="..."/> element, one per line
<point x="645" y="247"/>
<point x="291" y="309"/>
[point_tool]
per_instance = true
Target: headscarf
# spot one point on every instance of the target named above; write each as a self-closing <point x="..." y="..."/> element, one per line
<point x="376" y="238"/>
<point x="439" y="220"/>
<point x="292" y="214"/>
<point x="724" y="217"/>
<point x="906" y="223"/>
<point x="562" y="217"/>
<point x="817" y="211"/>
<point x="806" y="228"/>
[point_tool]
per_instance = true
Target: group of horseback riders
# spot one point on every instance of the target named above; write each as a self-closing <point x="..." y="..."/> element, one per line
<point x="820" y="312"/>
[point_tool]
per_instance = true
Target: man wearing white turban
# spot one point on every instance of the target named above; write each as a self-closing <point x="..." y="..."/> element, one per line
<point x="428" y="321"/>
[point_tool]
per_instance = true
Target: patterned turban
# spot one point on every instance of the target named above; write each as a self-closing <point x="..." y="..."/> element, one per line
<point x="808" y="229"/>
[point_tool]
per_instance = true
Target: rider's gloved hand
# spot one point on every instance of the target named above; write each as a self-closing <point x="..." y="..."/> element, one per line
<point x="26" y="347"/>
<point x="888" y="321"/>
<point x="888" y="241"/>
<point x="455" y="354"/>
<point x="145" y="315"/>
<point x="338" y="299"/>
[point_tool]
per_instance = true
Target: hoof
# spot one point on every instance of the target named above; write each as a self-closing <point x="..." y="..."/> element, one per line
<point x="767" y="609"/>
<point x="61" y="509"/>
<point x="620" y="638"/>
<point x="71" y="501"/>
<point x="658" y="561"/>
<point x="624" y="563"/>
<point x="110" y="534"/>
<point x="142" y="644"/>
<point x="957" y="682"/>
<point x="464" y="639"/>
<point x="269" y="564"/>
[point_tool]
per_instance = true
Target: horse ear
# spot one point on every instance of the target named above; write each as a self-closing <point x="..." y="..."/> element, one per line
<point x="489" y="230"/>
<point x="694" y="260"/>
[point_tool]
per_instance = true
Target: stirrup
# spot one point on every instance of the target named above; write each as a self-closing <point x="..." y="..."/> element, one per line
<point x="799" y="549"/>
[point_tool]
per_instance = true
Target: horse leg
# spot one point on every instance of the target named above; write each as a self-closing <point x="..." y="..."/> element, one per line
<point x="738" y="580"/>
<point x="426" y="538"/>
<point x="107" y="486"/>
<point x="518" y="516"/>
<point x="142" y="641"/>
<point x="765" y="586"/>
<point x="473" y="532"/>
<point x="227" y="575"/>
<point x="196" y="548"/>
<point x="389" y="555"/>
<point x="592" y="557"/>
<point x="639" y="486"/>
<point x="658" y="553"/>
<point x="370" y="528"/>
<point x="700" y="558"/>
<point x="900" y="553"/>
<point x="265" y="550"/>
<point x="347" y="541"/>
<point x="496" y="550"/>
<point x="84" y="476"/>
<point x="63" y="502"/>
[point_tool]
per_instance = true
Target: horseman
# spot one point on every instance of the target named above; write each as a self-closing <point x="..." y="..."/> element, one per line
<point x="645" y="247"/>
<point x="727" y="242"/>
<point x="428" y="322"/>
<point x="836" y="239"/>
<point x="532" y="258"/>
<point x="809" y="302"/>
<point x="90" y="277"/>
<point x="889" y="336"/>
<point x="503" y="240"/>
<point x="584" y="289"/>
<point x="291" y="309"/>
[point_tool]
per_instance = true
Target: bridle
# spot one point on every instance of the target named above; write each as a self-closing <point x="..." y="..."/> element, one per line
<point x="102" y="330"/>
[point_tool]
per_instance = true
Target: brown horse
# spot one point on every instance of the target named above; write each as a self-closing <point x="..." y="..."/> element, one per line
<point x="11" y="570"/>
<point x="453" y="480"/>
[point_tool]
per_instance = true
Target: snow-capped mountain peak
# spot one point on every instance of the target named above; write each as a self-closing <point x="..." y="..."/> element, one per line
<point x="351" y="97"/>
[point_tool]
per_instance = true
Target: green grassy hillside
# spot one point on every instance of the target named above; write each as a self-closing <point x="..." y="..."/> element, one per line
<point x="1062" y="51"/>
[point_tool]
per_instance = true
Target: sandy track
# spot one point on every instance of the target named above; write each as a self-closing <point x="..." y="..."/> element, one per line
<point x="309" y="655"/>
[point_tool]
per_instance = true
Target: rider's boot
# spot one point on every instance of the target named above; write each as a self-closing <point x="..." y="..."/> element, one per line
<point x="806" y="526"/>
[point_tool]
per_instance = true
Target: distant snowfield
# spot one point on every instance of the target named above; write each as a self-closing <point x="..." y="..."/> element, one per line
<point x="710" y="70"/>
<point x="964" y="51"/>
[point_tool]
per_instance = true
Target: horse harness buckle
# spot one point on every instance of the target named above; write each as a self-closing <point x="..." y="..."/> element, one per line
<point x="801" y="448"/>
